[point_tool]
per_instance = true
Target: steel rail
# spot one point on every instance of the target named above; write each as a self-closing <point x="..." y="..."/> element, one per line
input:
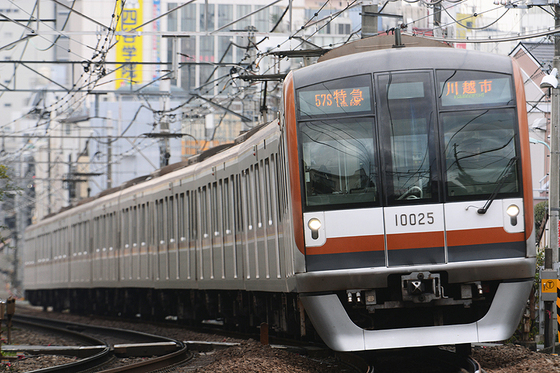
<point x="81" y="365"/>
<point x="181" y="354"/>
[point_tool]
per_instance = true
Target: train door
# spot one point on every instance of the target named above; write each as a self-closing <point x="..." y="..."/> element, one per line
<point x="414" y="218"/>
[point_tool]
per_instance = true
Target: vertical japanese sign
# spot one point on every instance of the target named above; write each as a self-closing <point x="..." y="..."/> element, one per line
<point x="156" y="26"/>
<point x="129" y="47"/>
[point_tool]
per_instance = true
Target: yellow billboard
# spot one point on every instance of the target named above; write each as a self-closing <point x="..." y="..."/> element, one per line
<point x="129" y="47"/>
<point x="464" y="21"/>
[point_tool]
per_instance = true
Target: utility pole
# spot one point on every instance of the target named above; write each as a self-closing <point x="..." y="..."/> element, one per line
<point x="49" y="166"/>
<point x="554" y="194"/>
<point x="438" y="32"/>
<point x="549" y="275"/>
<point x="556" y="149"/>
<point x="109" y="149"/>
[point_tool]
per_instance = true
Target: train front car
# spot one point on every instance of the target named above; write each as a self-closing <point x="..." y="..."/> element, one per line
<point x="411" y="170"/>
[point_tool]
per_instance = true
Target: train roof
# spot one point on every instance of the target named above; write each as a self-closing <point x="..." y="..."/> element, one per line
<point x="401" y="59"/>
<point x="193" y="160"/>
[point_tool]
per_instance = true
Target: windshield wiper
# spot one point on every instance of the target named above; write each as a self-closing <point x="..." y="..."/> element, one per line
<point x="501" y="180"/>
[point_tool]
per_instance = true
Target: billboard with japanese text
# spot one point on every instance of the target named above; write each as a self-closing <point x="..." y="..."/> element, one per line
<point x="129" y="47"/>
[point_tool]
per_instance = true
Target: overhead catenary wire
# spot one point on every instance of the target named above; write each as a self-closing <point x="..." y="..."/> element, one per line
<point x="207" y="89"/>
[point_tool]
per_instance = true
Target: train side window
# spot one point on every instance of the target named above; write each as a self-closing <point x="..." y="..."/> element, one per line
<point x="160" y="221"/>
<point x="275" y="185"/>
<point x="151" y="234"/>
<point x="86" y="237"/>
<point x="226" y="206"/>
<point x="238" y="203"/>
<point x="113" y="230"/>
<point x="181" y="216"/>
<point x="203" y="212"/>
<point x="281" y="182"/>
<point x="135" y="225"/>
<point x="96" y="233"/>
<point x="170" y="218"/>
<point x="74" y="234"/>
<point x="81" y="242"/>
<point x="194" y="215"/>
<point x="142" y="225"/>
<point x="101" y="233"/>
<point x="250" y="198"/>
<point x="126" y="225"/>
<point x="258" y="195"/>
<point x="214" y="209"/>
<point x="267" y="192"/>
<point x="104" y="232"/>
<point x="187" y="208"/>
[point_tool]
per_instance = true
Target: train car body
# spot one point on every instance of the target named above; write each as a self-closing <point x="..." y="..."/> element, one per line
<point x="392" y="200"/>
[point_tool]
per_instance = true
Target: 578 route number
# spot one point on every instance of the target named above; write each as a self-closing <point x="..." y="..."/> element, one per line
<point x="421" y="218"/>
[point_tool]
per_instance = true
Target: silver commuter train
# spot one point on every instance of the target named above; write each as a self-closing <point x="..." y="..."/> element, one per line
<point x="392" y="199"/>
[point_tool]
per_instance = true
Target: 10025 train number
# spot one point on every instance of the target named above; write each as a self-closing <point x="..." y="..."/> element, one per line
<point x="403" y="220"/>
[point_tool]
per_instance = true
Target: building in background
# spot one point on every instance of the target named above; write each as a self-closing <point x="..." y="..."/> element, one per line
<point x="90" y="103"/>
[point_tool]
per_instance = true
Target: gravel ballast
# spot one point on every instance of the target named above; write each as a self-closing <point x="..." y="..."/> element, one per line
<point x="250" y="356"/>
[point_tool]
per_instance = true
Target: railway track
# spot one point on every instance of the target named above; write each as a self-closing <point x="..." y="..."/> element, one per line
<point x="420" y="360"/>
<point x="100" y="347"/>
<point x="110" y="344"/>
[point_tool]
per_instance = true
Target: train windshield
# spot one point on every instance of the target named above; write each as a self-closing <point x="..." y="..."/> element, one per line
<point x="479" y="145"/>
<point x="339" y="163"/>
<point x="453" y="140"/>
<point x="479" y="134"/>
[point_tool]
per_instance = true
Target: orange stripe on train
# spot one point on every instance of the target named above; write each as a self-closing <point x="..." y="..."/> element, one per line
<point x="414" y="240"/>
<point x="482" y="236"/>
<point x="340" y="245"/>
<point x="355" y="244"/>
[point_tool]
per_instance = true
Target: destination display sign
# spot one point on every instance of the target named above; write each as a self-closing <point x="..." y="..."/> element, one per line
<point x="336" y="97"/>
<point x="488" y="91"/>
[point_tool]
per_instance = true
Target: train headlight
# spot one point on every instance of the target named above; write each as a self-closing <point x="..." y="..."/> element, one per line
<point x="513" y="211"/>
<point x="314" y="224"/>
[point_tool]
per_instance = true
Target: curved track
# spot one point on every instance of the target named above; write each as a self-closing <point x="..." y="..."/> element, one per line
<point x="106" y="339"/>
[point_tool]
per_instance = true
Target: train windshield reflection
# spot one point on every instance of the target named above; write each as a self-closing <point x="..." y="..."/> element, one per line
<point x="339" y="162"/>
<point x="478" y="146"/>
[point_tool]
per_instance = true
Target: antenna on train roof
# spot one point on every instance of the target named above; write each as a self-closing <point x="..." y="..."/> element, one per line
<point x="398" y="38"/>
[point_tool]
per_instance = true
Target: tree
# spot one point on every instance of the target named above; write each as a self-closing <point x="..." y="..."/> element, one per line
<point x="541" y="215"/>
